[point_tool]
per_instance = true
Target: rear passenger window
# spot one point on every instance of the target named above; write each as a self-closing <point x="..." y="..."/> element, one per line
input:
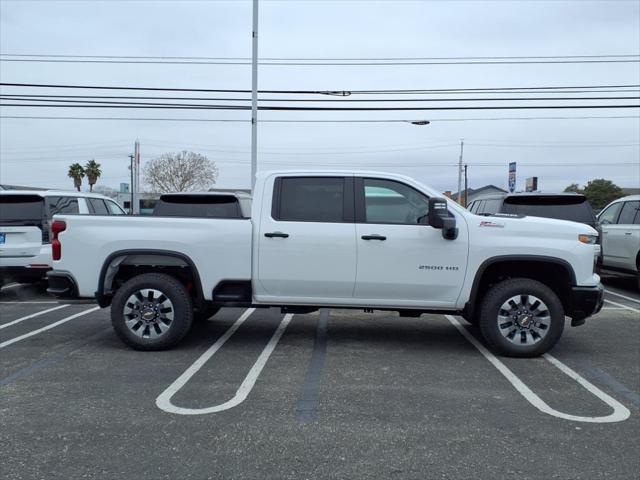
<point x="114" y="208"/>
<point x="628" y="213"/>
<point x="62" y="205"/>
<point x="491" y="206"/>
<point x="309" y="199"/>
<point x="610" y="215"/>
<point x="98" y="206"/>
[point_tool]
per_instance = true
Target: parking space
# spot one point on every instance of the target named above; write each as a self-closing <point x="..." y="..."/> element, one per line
<point x="339" y="393"/>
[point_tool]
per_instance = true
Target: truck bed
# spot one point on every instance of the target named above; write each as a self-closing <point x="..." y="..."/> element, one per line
<point x="220" y="248"/>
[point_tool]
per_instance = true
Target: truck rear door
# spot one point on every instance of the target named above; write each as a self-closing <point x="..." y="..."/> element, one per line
<point x="306" y="241"/>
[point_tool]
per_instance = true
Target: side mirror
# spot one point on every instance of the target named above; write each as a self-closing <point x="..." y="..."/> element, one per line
<point x="439" y="217"/>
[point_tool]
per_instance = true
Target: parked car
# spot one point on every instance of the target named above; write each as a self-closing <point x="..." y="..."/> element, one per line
<point x="334" y="239"/>
<point x="620" y="225"/>
<point x="203" y="205"/>
<point x="25" y="227"/>
<point x="562" y="206"/>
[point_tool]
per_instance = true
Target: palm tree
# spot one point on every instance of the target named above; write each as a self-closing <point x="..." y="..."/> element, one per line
<point x="77" y="173"/>
<point x="92" y="169"/>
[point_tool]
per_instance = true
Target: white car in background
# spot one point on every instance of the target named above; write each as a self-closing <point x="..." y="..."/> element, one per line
<point x="25" y="227"/>
<point x="620" y="224"/>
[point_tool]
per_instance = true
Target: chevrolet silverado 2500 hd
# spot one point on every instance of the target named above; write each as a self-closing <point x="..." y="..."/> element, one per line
<point x="334" y="239"/>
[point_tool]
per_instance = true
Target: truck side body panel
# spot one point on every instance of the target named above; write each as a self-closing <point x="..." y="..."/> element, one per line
<point x="219" y="248"/>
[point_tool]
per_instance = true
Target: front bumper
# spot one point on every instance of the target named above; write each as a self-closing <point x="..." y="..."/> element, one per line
<point x="585" y="301"/>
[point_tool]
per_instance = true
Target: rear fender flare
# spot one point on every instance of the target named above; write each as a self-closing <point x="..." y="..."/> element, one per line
<point x="112" y="264"/>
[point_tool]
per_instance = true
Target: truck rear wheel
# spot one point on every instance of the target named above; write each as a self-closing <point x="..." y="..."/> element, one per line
<point x="521" y="317"/>
<point x="152" y="311"/>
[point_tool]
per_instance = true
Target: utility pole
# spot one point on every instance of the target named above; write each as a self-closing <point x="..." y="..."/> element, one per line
<point x="254" y="96"/>
<point x="466" y="187"/>
<point x="131" y="157"/>
<point x="460" y="172"/>
<point x="135" y="207"/>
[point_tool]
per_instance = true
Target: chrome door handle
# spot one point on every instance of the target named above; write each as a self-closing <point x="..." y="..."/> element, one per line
<point x="276" y="234"/>
<point x="373" y="237"/>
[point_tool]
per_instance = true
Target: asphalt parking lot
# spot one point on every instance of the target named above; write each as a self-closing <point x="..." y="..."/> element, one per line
<point x="336" y="394"/>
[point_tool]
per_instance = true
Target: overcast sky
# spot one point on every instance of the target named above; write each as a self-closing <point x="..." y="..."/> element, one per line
<point x="38" y="152"/>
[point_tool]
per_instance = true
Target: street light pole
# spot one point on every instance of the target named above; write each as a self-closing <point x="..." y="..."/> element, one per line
<point x="254" y="96"/>
<point x="466" y="187"/>
<point x="460" y="172"/>
<point x="131" y="157"/>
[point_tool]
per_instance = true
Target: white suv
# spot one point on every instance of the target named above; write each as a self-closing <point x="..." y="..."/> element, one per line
<point x="25" y="223"/>
<point x="620" y="223"/>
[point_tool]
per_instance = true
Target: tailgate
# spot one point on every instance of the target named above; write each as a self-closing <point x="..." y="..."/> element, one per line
<point x="21" y="218"/>
<point x="20" y="241"/>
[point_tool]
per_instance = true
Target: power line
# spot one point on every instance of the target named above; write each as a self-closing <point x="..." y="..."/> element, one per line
<point x="372" y="164"/>
<point x="321" y="64"/>
<point x="325" y="109"/>
<point x="302" y="121"/>
<point x="317" y="92"/>
<point x="331" y="98"/>
<point x="317" y="58"/>
<point x="89" y="99"/>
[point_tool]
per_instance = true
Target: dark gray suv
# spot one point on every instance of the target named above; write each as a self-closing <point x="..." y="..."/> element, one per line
<point x="561" y="206"/>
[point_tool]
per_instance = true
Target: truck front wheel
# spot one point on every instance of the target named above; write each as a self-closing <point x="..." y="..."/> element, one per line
<point x="152" y="311"/>
<point x="521" y="317"/>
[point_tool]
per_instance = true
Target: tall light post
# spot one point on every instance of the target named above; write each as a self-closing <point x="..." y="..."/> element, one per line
<point x="254" y="96"/>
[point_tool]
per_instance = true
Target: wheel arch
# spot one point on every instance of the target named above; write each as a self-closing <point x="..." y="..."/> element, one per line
<point x="554" y="272"/>
<point x="158" y="260"/>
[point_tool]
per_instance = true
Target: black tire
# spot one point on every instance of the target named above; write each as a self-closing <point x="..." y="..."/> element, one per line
<point x="204" y="313"/>
<point x="181" y="305"/>
<point x="472" y="320"/>
<point x="492" y="304"/>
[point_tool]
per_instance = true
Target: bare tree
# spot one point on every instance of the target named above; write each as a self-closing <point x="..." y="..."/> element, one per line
<point x="180" y="172"/>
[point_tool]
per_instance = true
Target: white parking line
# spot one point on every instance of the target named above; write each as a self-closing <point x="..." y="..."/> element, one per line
<point x="622" y="306"/>
<point x="48" y="327"/>
<point x="619" y="414"/>
<point x="164" y="399"/>
<point x="27" y="302"/>
<point x="5" y="325"/>
<point x="622" y="296"/>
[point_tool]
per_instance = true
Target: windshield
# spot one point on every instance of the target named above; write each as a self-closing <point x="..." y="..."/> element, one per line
<point x="575" y="208"/>
<point x="21" y="209"/>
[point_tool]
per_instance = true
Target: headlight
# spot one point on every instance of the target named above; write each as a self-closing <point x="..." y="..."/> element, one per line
<point x="590" y="239"/>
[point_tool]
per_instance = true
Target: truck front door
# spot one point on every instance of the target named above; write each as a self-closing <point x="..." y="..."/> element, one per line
<point x="401" y="260"/>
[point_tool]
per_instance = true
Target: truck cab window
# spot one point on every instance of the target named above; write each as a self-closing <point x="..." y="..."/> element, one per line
<point x="389" y="201"/>
<point x="310" y="199"/>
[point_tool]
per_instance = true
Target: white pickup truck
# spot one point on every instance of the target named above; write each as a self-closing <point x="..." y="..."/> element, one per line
<point x="334" y="239"/>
